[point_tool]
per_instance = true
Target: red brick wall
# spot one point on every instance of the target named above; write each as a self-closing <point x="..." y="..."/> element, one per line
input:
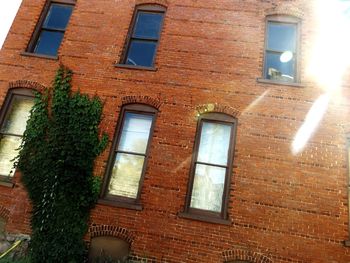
<point x="282" y="207"/>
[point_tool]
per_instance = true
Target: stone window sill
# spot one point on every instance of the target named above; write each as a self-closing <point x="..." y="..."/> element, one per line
<point x="204" y="218"/>
<point x="29" y="54"/>
<point x="276" y="82"/>
<point x="116" y="203"/>
<point x="135" y="67"/>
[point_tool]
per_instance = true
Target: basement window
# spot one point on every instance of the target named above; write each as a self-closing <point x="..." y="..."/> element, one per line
<point x="51" y="27"/>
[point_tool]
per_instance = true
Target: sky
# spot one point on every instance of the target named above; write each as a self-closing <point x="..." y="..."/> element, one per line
<point x="8" y="11"/>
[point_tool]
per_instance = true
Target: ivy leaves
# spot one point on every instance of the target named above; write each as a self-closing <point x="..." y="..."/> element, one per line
<point x="56" y="159"/>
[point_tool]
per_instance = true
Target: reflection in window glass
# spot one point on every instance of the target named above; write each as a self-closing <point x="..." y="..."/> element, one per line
<point x="281" y="37"/>
<point x="135" y="133"/>
<point x="12" y="130"/>
<point x="144" y="38"/>
<point x="148" y="25"/>
<point x="58" y="16"/>
<point x="141" y="53"/>
<point x="48" y="43"/>
<point x="280" y="54"/>
<point x="211" y="166"/>
<point x="53" y="28"/>
<point x="130" y="155"/>
<point x="126" y="175"/>
<point x="208" y="187"/>
<point x="214" y="143"/>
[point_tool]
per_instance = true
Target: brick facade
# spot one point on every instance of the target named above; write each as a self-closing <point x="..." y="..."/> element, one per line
<point x="283" y="207"/>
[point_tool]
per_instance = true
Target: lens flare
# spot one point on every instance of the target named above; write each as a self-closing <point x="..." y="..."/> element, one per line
<point x="330" y="58"/>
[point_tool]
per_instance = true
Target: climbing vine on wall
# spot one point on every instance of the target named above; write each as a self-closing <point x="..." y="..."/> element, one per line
<point x="56" y="159"/>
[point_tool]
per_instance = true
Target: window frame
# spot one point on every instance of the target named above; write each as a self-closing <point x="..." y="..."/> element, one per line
<point x="39" y="26"/>
<point x="122" y="201"/>
<point x="149" y="8"/>
<point x="5" y="110"/>
<point x="205" y="215"/>
<point x="283" y="19"/>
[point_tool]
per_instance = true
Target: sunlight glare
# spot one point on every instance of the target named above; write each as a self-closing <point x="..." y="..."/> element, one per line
<point x="330" y="58"/>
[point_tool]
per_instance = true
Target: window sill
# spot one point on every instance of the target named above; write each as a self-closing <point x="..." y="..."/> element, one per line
<point x="6" y="183"/>
<point x="346" y="243"/>
<point x="204" y="218"/>
<point x="135" y="67"/>
<point x="276" y="82"/>
<point x="116" y="203"/>
<point x="29" y="54"/>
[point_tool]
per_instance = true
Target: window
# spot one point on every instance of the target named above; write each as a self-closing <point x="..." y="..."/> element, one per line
<point x="281" y="49"/>
<point x="127" y="163"/>
<point x="144" y="36"/>
<point x="208" y="190"/>
<point x="14" y="116"/>
<point x="50" y="30"/>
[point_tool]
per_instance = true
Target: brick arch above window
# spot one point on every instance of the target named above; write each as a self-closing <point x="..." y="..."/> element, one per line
<point x="152" y="2"/>
<point x="284" y="10"/>
<point x="27" y="84"/>
<point x="155" y="103"/>
<point x="244" y="255"/>
<point x="219" y="108"/>
<point x="109" y="230"/>
<point x="4" y="213"/>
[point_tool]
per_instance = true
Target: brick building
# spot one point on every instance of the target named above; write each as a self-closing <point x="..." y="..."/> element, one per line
<point x="224" y="146"/>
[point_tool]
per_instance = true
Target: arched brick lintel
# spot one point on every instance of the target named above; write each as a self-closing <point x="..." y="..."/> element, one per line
<point x="152" y="2"/>
<point x="245" y="254"/>
<point x="214" y="107"/>
<point x="108" y="230"/>
<point x="285" y="10"/>
<point x="4" y="212"/>
<point x="27" y="84"/>
<point x="142" y="100"/>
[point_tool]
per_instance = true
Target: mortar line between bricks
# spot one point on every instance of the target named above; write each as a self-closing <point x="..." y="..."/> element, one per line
<point x="250" y="226"/>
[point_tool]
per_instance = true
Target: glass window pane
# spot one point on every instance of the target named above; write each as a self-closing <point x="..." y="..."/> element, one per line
<point x="58" y="16"/>
<point x="214" y="143"/>
<point x="8" y="151"/>
<point x="148" y="25"/>
<point x="282" y="37"/>
<point x="126" y="175"/>
<point x="135" y="133"/>
<point x="208" y="188"/>
<point x="278" y="70"/>
<point x="16" y="120"/>
<point x="48" y="43"/>
<point x="141" y="53"/>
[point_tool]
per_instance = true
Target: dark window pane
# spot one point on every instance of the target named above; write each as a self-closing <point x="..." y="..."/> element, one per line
<point x="278" y="70"/>
<point x="141" y="53"/>
<point x="148" y="25"/>
<point x="58" y="16"/>
<point x="281" y="37"/>
<point x="48" y="43"/>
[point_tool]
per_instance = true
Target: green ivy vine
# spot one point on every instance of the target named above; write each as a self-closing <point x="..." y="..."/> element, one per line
<point x="56" y="159"/>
